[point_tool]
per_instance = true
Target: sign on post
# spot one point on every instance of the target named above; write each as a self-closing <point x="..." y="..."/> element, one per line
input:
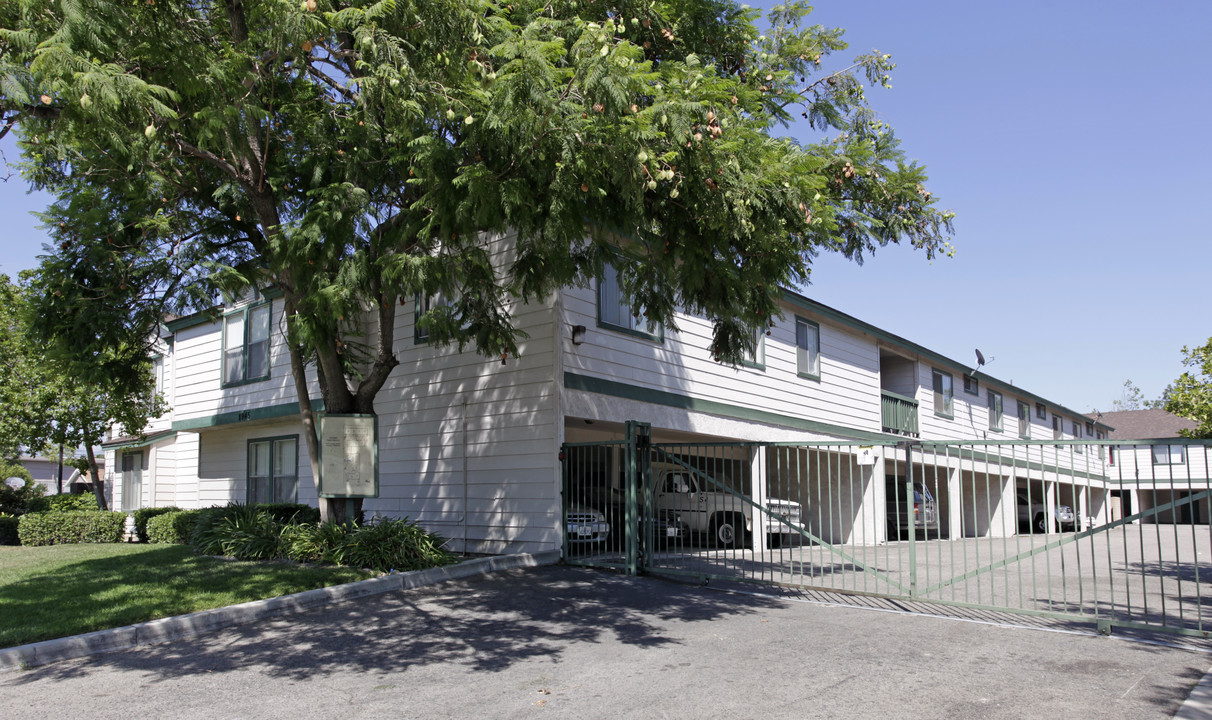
<point x="349" y="456"/>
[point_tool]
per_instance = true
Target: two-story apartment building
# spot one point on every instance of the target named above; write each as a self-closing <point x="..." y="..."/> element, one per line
<point x="469" y="447"/>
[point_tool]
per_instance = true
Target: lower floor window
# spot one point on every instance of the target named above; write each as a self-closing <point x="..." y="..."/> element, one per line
<point x="273" y="470"/>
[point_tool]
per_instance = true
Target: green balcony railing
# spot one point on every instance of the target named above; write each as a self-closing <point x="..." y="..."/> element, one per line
<point x="899" y="414"/>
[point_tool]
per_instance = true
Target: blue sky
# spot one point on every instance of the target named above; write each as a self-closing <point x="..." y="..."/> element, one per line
<point x="1071" y="139"/>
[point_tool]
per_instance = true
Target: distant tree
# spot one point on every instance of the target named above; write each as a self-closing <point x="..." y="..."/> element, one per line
<point x="47" y="400"/>
<point x="1191" y="394"/>
<point x="1133" y="399"/>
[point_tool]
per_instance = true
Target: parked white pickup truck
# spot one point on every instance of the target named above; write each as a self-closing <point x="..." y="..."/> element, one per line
<point x="725" y="518"/>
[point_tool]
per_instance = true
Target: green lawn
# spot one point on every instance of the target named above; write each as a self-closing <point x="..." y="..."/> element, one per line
<point x="60" y="590"/>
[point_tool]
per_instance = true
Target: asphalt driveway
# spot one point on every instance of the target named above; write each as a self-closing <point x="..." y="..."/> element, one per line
<point x="567" y="642"/>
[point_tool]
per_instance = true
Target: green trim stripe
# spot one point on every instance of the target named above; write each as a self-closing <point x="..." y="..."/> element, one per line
<point x="612" y="388"/>
<point x="271" y="412"/>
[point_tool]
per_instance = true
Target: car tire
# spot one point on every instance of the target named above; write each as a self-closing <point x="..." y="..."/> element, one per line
<point x="728" y="530"/>
<point x="1040" y="525"/>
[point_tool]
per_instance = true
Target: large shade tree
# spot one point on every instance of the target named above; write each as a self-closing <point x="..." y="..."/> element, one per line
<point x="355" y="154"/>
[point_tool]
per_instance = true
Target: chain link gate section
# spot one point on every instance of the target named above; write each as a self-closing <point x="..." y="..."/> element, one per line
<point x="1115" y="534"/>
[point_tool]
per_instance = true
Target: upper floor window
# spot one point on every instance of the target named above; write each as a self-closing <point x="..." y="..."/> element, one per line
<point x="1089" y="429"/>
<point x="1169" y="455"/>
<point x="273" y="470"/>
<point x="246" y="344"/>
<point x="1041" y="411"/>
<point x="1024" y="420"/>
<point x="614" y="309"/>
<point x="995" y="410"/>
<point x="944" y="394"/>
<point x="757" y="359"/>
<point x="1058" y="428"/>
<point x="1077" y="435"/>
<point x="808" y="348"/>
<point x="157" y="375"/>
<point x="971" y="386"/>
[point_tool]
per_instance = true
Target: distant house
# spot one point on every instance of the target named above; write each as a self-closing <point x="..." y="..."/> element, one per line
<point x="1144" y="424"/>
<point x="1159" y="468"/>
<point x="45" y="471"/>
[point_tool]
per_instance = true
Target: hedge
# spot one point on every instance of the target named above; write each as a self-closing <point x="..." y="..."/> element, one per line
<point x="67" y="503"/>
<point x="142" y="515"/>
<point x="79" y="526"/>
<point x="8" y="529"/>
<point x="172" y="527"/>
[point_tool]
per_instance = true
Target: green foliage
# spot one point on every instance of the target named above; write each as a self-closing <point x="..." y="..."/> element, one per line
<point x="1133" y="399"/>
<point x="8" y="529"/>
<point x="142" y="515"/>
<point x="57" y="528"/>
<point x="24" y="499"/>
<point x="259" y="532"/>
<point x="356" y="154"/>
<point x="64" y="590"/>
<point x="1191" y="394"/>
<point x="315" y="542"/>
<point x="68" y="502"/>
<point x="395" y="545"/>
<point x="172" y="527"/>
<point x="50" y="398"/>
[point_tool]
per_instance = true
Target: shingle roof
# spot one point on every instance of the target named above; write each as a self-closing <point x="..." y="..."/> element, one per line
<point x="1144" y="424"/>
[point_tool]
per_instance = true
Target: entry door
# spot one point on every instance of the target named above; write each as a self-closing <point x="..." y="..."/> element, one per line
<point x="132" y="480"/>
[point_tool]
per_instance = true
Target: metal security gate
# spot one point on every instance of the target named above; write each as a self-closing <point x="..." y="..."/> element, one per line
<point x="1109" y="533"/>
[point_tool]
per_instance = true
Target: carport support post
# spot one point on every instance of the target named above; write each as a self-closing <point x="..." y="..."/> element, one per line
<point x="638" y="437"/>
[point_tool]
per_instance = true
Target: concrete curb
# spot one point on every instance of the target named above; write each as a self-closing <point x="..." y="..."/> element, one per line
<point x="186" y="626"/>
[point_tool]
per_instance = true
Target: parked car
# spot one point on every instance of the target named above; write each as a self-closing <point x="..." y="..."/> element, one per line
<point x="723" y="517"/>
<point x="921" y="511"/>
<point x="1031" y="513"/>
<point x="609" y="502"/>
<point x="585" y="526"/>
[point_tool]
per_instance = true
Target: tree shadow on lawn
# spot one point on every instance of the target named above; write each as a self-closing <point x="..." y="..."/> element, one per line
<point x="483" y="623"/>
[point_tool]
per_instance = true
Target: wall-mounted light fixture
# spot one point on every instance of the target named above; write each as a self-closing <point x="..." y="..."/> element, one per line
<point x="578" y="334"/>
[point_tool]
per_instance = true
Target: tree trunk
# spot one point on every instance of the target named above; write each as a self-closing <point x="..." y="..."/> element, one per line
<point x="98" y="478"/>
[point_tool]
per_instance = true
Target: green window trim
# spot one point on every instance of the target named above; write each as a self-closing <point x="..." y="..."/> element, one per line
<point x="996" y="411"/>
<point x="807" y="348"/>
<point x="273" y="469"/>
<point x="944" y="393"/>
<point x="616" y="315"/>
<point x="247" y="359"/>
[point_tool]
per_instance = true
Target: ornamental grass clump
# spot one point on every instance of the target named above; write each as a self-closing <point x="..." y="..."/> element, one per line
<point x="259" y="532"/>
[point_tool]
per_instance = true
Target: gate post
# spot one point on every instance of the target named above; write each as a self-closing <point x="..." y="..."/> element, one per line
<point x="637" y="470"/>
<point x="910" y="520"/>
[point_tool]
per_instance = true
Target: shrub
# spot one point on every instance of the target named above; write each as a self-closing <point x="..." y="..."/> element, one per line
<point x="291" y="512"/>
<point x="69" y="503"/>
<point x="314" y="542"/>
<point x="395" y="545"/>
<point x="80" y="526"/>
<point x="142" y="515"/>
<point x="172" y="527"/>
<point x="8" y="529"/>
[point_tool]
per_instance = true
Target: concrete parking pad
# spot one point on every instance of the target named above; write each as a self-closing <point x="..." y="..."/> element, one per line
<point x="583" y="643"/>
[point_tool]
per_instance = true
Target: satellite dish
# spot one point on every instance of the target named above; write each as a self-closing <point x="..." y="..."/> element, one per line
<point x="980" y="359"/>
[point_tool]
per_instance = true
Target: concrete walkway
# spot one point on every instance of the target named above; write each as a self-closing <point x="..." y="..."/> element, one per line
<point x="569" y="642"/>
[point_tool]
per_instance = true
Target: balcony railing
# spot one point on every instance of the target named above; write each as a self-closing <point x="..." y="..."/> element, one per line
<point x="899" y="414"/>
